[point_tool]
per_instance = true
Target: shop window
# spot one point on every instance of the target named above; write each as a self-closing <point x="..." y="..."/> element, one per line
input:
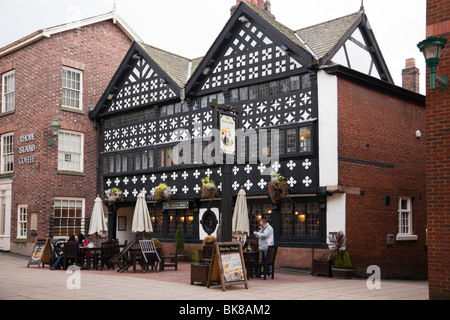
<point x="72" y="88"/>
<point x="305" y="139"/>
<point x="68" y="216"/>
<point x="70" y="151"/>
<point x="8" y="91"/>
<point x="7" y="153"/>
<point x="300" y="219"/>
<point x="157" y="218"/>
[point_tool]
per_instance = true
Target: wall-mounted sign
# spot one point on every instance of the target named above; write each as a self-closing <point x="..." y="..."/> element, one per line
<point x="26" y="147"/>
<point x="227" y="126"/>
<point x="176" y="205"/>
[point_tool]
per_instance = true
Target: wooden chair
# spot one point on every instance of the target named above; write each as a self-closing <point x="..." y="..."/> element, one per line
<point x="150" y="256"/>
<point x="108" y="250"/>
<point x="122" y="259"/>
<point x="70" y="254"/>
<point x="207" y="252"/>
<point x="173" y="260"/>
<point x="261" y="267"/>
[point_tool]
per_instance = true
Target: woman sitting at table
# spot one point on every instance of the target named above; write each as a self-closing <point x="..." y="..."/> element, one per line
<point x="82" y="246"/>
<point x="57" y="264"/>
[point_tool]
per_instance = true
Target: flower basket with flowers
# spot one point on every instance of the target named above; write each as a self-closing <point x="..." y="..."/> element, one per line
<point x="278" y="188"/>
<point x="209" y="188"/>
<point x="114" y="195"/>
<point x="162" y="192"/>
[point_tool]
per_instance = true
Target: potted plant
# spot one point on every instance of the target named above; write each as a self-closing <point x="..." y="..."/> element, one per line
<point x="341" y="265"/>
<point x="209" y="188"/>
<point x="114" y="195"/>
<point x="278" y="188"/>
<point x="162" y="192"/>
<point x="157" y="246"/>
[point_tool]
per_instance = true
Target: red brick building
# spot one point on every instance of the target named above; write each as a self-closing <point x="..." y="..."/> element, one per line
<point x="438" y="159"/>
<point x="60" y="72"/>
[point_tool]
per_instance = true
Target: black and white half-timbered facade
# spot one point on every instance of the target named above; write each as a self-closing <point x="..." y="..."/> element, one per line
<point x="158" y="100"/>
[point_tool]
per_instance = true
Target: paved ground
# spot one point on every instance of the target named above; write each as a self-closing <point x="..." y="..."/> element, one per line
<point x="17" y="282"/>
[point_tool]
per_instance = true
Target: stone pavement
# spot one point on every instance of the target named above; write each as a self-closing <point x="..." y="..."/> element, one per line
<point x="17" y="282"/>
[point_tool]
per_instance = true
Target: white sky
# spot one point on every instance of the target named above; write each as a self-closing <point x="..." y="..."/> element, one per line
<point x="189" y="27"/>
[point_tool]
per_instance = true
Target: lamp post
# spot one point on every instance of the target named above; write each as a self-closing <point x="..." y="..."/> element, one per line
<point x="55" y="126"/>
<point x="432" y="50"/>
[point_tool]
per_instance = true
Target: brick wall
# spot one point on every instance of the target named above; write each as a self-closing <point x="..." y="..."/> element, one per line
<point x="438" y="159"/>
<point x="380" y="154"/>
<point x="97" y="50"/>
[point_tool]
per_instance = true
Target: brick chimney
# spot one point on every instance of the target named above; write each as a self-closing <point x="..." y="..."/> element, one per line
<point x="263" y="4"/>
<point x="411" y="76"/>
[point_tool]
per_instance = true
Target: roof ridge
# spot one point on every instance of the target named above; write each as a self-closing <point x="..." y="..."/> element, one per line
<point x="165" y="51"/>
<point x="328" y="21"/>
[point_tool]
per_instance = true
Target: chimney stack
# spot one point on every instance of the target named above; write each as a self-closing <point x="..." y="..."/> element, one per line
<point x="411" y="76"/>
<point x="263" y="4"/>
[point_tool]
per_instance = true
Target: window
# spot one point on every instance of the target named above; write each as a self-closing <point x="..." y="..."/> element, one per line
<point x="305" y="139"/>
<point x="8" y="91"/>
<point x="165" y="157"/>
<point x="7" y="153"/>
<point x="274" y="88"/>
<point x="22" y="212"/>
<point x="121" y="163"/>
<point x="70" y="151"/>
<point x="291" y="140"/>
<point x="300" y="219"/>
<point x="404" y="216"/>
<point x="143" y="160"/>
<point x="281" y="146"/>
<point x="2" y="212"/>
<point x="253" y="92"/>
<point x="72" y="88"/>
<point x="243" y="93"/>
<point x="68" y="216"/>
<point x="295" y="83"/>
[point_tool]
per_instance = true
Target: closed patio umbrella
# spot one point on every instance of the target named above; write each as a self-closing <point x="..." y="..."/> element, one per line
<point x="98" y="225"/>
<point x="141" y="217"/>
<point x="240" y="224"/>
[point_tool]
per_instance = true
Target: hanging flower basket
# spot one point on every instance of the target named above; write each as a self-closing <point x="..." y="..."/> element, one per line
<point x="114" y="195"/>
<point x="209" y="188"/>
<point x="278" y="189"/>
<point x="162" y="192"/>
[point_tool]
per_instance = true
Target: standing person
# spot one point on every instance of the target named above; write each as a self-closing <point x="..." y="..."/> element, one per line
<point x="265" y="239"/>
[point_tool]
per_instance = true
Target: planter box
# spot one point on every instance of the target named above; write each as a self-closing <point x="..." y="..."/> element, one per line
<point x="321" y="267"/>
<point x="342" y="272"/>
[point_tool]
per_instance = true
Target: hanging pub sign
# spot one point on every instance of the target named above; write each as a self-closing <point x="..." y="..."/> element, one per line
<point x="227" y="263"/>
<point x="41" y="253"/>
<point x="227" y="127"/>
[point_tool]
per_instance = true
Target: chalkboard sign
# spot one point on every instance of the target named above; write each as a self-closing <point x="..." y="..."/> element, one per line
<point x="228" y="262"/>
<point x="41" y="253"/>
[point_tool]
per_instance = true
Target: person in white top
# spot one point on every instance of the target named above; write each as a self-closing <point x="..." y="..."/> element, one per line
<point x="265" y="239"/>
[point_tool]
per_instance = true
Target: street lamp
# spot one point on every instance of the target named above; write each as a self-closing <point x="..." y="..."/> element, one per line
<point x="432" y="49"/>
<point x="55" y="131"/>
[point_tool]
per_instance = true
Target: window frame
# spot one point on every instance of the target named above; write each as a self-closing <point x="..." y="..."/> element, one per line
<point x="81" y="153"/>
<point x="81" y="219"/>
<point x="80" y="91"/>
<point x="3" y="156"/>
<point x="21" y="221"/>
<point x="5" y="94"/>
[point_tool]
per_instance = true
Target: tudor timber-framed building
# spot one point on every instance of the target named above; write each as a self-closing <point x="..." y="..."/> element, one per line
<point x="325" y="88"/>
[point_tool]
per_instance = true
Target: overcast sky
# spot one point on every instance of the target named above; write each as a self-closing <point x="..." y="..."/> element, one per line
<point x="189" y="27"/>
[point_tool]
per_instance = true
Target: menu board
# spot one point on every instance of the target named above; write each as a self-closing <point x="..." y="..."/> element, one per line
<point x="41" y="253"/>
<point x="228" y="261"/>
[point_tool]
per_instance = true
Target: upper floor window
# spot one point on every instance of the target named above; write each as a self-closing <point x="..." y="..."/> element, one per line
<point x="8" y="91"/>
<point x="70" y="151"/>
<point x="7" y="153"/>
<point x="72" y="88"/>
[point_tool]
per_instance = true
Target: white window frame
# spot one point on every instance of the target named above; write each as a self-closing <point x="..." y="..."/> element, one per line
<point x="4" y="156"/>
<point x="66" y="88"/>
<point x="10" y="94"/>
<point x="405" y="222"/>
<point x="66" y="154"/>
<point x="69" y="229"/>
<point x="22" y="223"/>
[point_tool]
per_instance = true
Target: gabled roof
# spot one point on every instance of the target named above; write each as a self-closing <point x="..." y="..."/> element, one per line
<point x="46" y="33"/>
<point x="175" y="69"/>
<point x="324" y="37"/>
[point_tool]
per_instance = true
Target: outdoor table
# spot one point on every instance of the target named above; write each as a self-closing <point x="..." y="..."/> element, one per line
<point x="250" y="257"/>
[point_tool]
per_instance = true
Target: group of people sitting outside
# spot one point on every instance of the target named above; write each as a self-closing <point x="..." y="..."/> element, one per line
<point x="57" y="257"/>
